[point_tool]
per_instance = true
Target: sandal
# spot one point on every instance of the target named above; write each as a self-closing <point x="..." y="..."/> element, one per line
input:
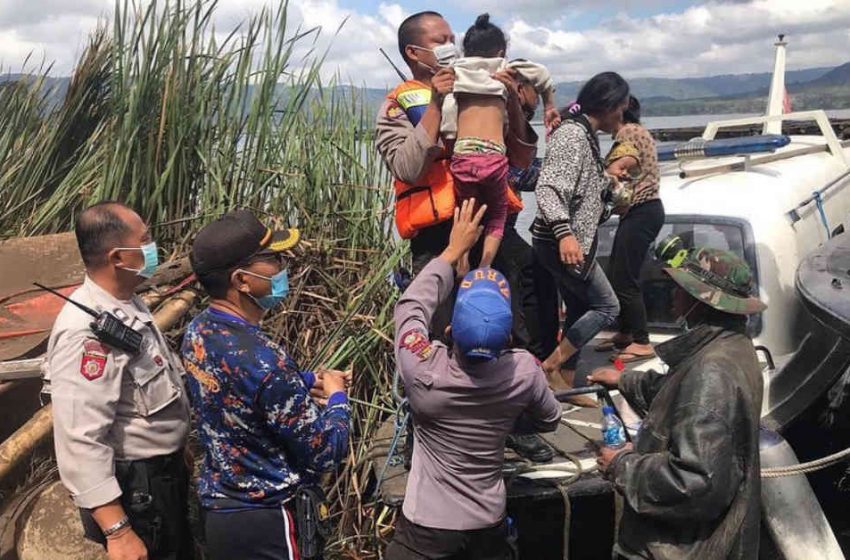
<point x="631" y="357"/>
<point x="610" y="344"/>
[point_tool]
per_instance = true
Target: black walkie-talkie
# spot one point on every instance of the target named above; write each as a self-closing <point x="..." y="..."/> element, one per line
<point x="107" y="327"/>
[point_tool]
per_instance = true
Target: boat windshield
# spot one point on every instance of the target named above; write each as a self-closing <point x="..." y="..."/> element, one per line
<point x="695" y="231"/>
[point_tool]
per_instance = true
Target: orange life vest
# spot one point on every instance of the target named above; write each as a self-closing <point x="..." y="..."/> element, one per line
<point x="432" y="199"/>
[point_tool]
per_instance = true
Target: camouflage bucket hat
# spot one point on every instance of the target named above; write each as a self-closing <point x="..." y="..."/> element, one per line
<point x="719" y="279"/>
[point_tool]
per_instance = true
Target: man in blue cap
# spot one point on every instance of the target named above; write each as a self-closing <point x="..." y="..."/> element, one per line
<point x="465" y="401"/>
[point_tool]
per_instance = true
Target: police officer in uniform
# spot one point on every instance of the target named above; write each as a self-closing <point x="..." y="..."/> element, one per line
<point x="121" y="418"/>
<point x="407" y="135"/>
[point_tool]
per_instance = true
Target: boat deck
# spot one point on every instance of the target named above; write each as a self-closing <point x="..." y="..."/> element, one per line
<point x="572" y="438"/>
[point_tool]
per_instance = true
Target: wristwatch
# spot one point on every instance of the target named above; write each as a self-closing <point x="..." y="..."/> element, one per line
<point x="123" y="522"/>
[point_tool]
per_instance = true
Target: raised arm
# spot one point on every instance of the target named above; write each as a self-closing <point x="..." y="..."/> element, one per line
<point x="431" y="287"/>
<point x="521" y="140"/>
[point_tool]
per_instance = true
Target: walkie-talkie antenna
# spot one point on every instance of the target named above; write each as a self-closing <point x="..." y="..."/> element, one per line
<point x="88" y="310"/>
<point x="399" y="72"/>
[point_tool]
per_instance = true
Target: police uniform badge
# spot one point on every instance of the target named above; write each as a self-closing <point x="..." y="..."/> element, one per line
<point x="93" y="363"/>
<point x="417" y="343"/>
<point x="394" y="111"/>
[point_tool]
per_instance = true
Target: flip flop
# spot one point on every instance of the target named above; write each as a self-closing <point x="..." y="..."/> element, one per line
<point x="631" y="357"/>
<point x="609" y="345"/>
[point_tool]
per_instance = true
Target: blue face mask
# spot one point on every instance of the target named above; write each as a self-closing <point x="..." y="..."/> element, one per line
<point x="151" y="255"/>
<point x="280" y="288"/>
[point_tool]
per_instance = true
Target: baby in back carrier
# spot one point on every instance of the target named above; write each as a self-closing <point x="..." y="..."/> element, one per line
<point x="475" y="113"/>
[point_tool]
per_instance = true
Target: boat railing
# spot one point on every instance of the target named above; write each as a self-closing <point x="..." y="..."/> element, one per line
<point x="819" y="116"/>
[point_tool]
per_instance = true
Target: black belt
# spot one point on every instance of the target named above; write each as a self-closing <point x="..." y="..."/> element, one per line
<point x="154" y="465"/>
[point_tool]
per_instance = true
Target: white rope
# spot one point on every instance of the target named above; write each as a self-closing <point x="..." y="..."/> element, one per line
<point x="803" y="468"/>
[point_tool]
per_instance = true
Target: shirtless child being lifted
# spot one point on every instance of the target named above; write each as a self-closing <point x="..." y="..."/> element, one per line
<point x="479" y="164"/>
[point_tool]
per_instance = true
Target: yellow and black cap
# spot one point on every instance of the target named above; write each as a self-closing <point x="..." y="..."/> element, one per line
<point x="234" y="239"/>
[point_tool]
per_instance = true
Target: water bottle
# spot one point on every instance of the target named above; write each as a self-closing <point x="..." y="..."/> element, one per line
<point x="613" y="434"/>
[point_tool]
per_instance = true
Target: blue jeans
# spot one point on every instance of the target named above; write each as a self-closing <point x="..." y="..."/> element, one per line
<point x="591" y="303"/>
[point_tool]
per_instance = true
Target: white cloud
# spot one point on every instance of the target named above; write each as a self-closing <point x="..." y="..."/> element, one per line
<point x="713" y="38"/>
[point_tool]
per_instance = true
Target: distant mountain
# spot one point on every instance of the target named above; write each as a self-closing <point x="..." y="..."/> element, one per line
<point x="826" y="89"/>
<point x="811" y="88"/>
<point x="699" y="88"/>
<point x="838" y="76"/>
<point x="54" y="88"/>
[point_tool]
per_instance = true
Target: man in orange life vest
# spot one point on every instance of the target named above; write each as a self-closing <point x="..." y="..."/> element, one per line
<point x="408" y="138"/>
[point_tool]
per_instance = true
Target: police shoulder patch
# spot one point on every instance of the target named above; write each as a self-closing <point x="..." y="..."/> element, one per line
<point x="394" y="111"/>
<point x="417" y="343"/>
<point x="93" y="364"/>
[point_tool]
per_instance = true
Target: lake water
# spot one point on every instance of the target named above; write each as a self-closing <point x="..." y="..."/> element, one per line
<point x="683" y="121"/>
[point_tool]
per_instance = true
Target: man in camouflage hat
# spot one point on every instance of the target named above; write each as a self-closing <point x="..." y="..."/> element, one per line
<point x="690" y="484"/>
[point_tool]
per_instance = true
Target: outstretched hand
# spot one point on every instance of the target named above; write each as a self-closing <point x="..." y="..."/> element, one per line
<point x="466" y="230"/>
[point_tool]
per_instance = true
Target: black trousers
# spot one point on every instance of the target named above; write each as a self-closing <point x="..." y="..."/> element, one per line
<point x="415" y="542"/>
<point x="637" y="230"/>
<point x="155" y="496"/>
<point x="258" y="534"/>
<point x="534" y="299"/>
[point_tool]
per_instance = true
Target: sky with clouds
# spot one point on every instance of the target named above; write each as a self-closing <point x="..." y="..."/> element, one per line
<point x="574" y="38"/>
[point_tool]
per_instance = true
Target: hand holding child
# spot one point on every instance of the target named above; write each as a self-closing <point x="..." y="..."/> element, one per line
<point x="508" y="78"/>
<point x="442" y="83"/>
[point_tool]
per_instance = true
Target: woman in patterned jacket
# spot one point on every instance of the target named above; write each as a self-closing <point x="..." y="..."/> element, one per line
<point x="570" y="202"/>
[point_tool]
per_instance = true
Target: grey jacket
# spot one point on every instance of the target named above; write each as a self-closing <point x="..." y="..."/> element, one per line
<point x="691" y="486"/>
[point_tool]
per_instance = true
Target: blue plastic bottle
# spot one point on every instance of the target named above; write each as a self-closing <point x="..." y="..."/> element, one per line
<point x="613" y="434"/>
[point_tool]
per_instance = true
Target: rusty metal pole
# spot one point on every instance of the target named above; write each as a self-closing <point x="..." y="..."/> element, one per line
<point x="21" y="444"/>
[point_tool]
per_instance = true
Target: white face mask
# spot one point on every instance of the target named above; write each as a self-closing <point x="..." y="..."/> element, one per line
<point x="445" y="55"/>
